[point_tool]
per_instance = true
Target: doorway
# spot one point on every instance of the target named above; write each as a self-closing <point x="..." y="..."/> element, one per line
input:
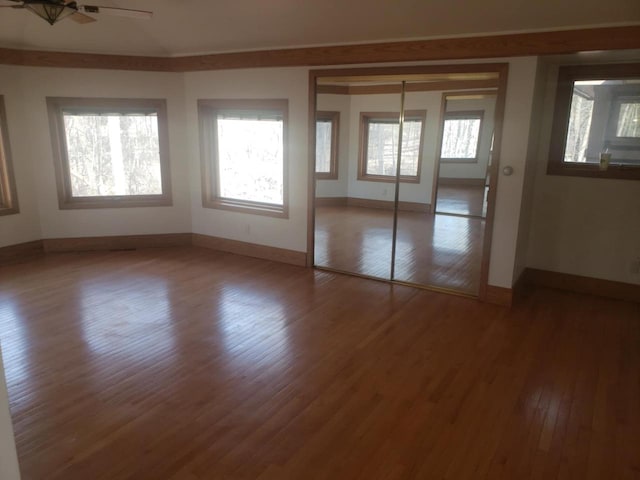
<point x="403" y="165"/>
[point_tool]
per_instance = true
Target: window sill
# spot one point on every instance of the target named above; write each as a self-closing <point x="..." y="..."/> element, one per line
<point x="326" y="176"/>
<point x="620" y="172"/>
<point x="9" y="211"/>
<point x="242" y="206"/>
<point x="387" y="179"/>
<point x="458" y="160"/>
<point x="115" y="202"/>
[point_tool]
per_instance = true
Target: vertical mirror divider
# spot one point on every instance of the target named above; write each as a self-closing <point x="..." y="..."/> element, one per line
<point x="397" y="192"/>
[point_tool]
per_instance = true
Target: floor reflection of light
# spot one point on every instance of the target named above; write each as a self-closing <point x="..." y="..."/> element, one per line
<point x="253" y="326"/>
<point x="131" y="319"/>
<point x="451" y="234"/>
<point x="14" y="341"/>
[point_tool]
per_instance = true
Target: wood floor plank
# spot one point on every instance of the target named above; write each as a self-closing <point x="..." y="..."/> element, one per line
<point x="189" y="364"/>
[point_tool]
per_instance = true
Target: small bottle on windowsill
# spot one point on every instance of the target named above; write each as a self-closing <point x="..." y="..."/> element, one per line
<point x="605" y="158"/>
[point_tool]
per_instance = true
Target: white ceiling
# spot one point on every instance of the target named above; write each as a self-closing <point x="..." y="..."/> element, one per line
<point x="181" y="27"/>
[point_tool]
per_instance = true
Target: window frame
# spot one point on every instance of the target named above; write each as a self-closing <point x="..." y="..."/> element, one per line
<point x="56" y="107"/>
<point x="463" y="115"/>
<point x="567" y="75"/>
<point x="365" y="117"/>
<point x="8" y="193"/>
<point x="207" y="118"/>
<point x="334" y="119"/>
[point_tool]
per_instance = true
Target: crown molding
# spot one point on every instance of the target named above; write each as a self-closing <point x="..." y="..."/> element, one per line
<point x="490" y="46"/>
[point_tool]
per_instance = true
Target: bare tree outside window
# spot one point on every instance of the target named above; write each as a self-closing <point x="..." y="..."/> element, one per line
<point x="324" y="136"/>
<point x="113" y="154"/>
<point x="579" y="128"/>
<point x="250" y="159"/>
<point x="461" y="137"/>
<point x="629" y="121"/>
<point x="110" y="152"/>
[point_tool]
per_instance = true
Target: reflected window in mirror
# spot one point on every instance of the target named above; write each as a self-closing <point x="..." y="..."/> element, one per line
<point x="327" y="131"/>
<point x="378" y="151"/>
<point x="8" y="195"/>
<point x="461" y="137"/>
<point x="596" y="123"/>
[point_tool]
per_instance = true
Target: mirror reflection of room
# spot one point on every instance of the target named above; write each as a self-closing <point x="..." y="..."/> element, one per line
<point x="465" y="154"/>
<point x="357" y="141"/>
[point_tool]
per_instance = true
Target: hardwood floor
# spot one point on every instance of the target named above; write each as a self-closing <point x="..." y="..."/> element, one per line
<point x="462" y="200"/>
<point x="436" y="250"/>
<point x="188" y="364"/>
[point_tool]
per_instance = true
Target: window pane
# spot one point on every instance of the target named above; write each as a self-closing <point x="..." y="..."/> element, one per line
<point x="629" y="120"/>
<point x="250" y="159"/>
<point x="113" y="154"/>
<point x="460" y="138"/>
<point x="382" y="147"/>
<point x="579" y="127"/>
<point x="323" y="146"/>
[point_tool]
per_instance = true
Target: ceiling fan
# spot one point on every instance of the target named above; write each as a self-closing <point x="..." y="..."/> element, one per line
<point x="55" y="10"/>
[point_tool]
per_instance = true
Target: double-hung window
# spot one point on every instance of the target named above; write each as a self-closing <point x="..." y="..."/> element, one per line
<point x="8" y="196"/>
<point x="243" y="146"/>
<point x="379" y="135"/>
<point x="110" y="152"/>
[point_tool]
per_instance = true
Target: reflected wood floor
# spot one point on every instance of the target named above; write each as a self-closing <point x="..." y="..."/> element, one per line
<point x="188" y="364"/>
<point x="436" y="250"/>
<point x="462" y="200"/>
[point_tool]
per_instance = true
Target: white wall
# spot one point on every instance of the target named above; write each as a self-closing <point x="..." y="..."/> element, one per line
<point x="274" y="83"/>
<point x="8" y="459"/>
<point x="582" y="226"/>
<point x="32" y="152"/>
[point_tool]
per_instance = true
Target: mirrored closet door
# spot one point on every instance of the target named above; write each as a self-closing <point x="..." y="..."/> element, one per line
<point x="403" y="168"/>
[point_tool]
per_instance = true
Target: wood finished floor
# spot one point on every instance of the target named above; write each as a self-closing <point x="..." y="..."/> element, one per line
<point x="436" y="250"/>
<point x="187" y="364"/>
<point x="462" y="200"/>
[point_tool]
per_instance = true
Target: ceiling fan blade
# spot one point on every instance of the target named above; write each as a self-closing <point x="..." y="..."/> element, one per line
<point x="121" y="12"/>
<point x="81" y="18"/>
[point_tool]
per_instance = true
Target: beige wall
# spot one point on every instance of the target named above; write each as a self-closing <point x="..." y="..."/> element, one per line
<point x="25" y="89"/>
<point x="8" y="458"/>
<point x="582" y="226"/>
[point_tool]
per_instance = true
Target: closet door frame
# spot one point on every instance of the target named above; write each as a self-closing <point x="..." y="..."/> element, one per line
<point x="501" y="69"/>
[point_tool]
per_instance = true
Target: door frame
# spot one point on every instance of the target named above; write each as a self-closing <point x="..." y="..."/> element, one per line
<point x="501" y="69"/>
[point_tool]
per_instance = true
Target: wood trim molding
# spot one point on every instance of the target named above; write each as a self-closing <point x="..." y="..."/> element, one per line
<point x="369" y="203"/>
<point x="410" y="87"/>
<point x="578" y="284"/>
<point x="488" y="46"/>
<point x="264" y="252"/>
<point x="498" y="296"/>
<point x="116" y="242"/>
<point x="20" y="252"/>
<point x="462" y="182"/>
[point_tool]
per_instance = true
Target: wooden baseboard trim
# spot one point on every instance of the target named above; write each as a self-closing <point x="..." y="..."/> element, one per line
<point x="331" y="201"/>
<point x="499" y="295"/>
<point x="369" y="203"/>
<point x="578" y="284"/>
<point x="20" y="252"/>
<point x="118" y="242"/>
<point x="462" y="182"/>
<point x="264" y="252"/>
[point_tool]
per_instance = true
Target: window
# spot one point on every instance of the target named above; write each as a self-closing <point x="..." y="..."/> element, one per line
<point x="327" y="131"/>
<point x="243" y="147"/>
<point x="8" y="196"/>
<point x="379" y="146"/>
<point x="110" y="152"/>
<point x="461" y="136"/>
<point x="596" y="122"/>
